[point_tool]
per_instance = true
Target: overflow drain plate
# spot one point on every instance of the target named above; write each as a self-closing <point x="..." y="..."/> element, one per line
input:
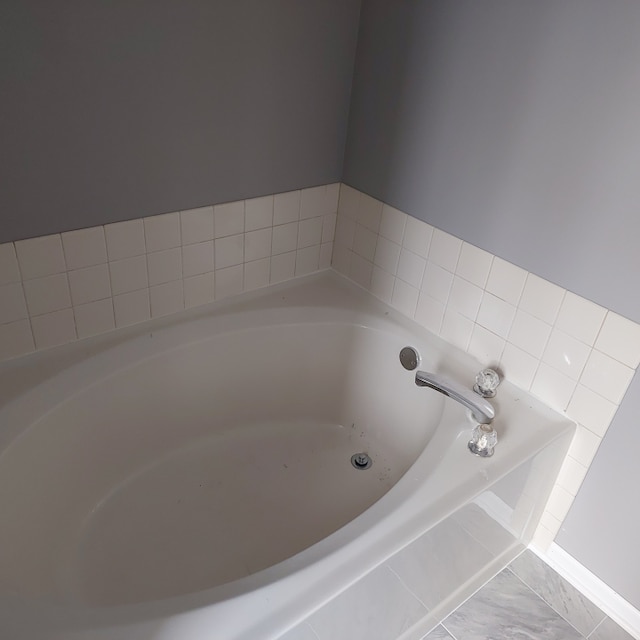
<point x="361" y="461"/>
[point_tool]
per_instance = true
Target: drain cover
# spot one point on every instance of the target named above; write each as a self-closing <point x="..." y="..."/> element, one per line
<point x="361" y="461"/>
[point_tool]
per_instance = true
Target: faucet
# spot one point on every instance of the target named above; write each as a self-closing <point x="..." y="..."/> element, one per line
<point x="481" y="409"/>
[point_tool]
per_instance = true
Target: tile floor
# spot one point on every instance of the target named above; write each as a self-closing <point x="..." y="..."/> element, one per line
<point x="525" y="601"/>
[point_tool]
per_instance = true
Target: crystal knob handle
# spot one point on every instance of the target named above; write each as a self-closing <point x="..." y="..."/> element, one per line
<point x="487" y="382"/>
<point x="483" y="440"/>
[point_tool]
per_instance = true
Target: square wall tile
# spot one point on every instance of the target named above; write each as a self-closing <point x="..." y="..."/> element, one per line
<point x="84" y="248"/>
<point x="487" y="347"/>
<point x="87" y="285"/>
<point x="444" y="250"/>
<point x="387" y="255"/>
<point x="166" y="298"/>
<point x="198" y="290"/>
<point x="16" y="339"/>
<point x="310" y="232"/>
<point x="620" y="339"/>
<point x="360" y="271"/>
<point x="197" y="258"/>
<point x="456" y="329"/>
<point x="45" y="295"/>
<point x="129" y="274"/>
<point x="131" y="308"/>
<point x="429" y="313"/>
<point x="341" y="258"/>
<point x="437" y="282"/>
<point x="284" y="238"/>
<point x="541" y="298"/>
<point x="196" y="225"/>
<point x="94" y="318"/>
<point x="9" y="271"/>
<point x="307" y="260"/>
<point x="229" y="281"/>
<point x="329" y="227"/>
<point x="369" y="212"/>
<point x="518" y="366"/>
<point x="348" y="203"/>
<point x="313" y="202"/>
<point x="552" y="387"/>
<point x="606" y="376"/>
<point x="286" y="207"/>
<point x="590" y="409"/>
<point x="465" y="298"/>
<point x="585" y="445"/>
<point x="392" y="224"/>
<point x="474" y="265"/>
<point x="506" y="281"/>
<point x="125" y="239"/>
<point x="411" y="268"/>
<point x="417" y="236"/>
<point x="382" y="284"/>
<point x="364" y="242"/>
<point x="333" y="195"/>
<point x="566" y="354"/>
<point x="53" y="329"/>
<point x="256" y="274"/>
<point x="228" y="219"/>
<point x="283" y="266"/>
<point x="39" y="257"/>
<point x="529" y="333"/>
<point x="580" y="318"/>
<point x="164" y="266"/>
<point x="496" y="315"/>
<point x="345" y="231"/>
<point x="405" y="297"/>
<point x="12" y="303"/>
<point x="229" y="251"/>
<point x="326" y="252"/>
<point x="258" y="213"/>
<point x="162" y="232"/>
<point x="257" y="244"/>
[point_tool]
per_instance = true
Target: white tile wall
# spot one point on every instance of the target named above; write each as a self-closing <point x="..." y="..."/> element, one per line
<point x="62" y="287"/>
<point x="573" y="354"/>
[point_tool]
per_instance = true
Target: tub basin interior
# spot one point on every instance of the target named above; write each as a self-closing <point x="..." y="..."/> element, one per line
<point x="206" y="463"/>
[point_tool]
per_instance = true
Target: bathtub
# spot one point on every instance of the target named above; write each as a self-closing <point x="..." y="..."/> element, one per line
<point x="191" y="477"/>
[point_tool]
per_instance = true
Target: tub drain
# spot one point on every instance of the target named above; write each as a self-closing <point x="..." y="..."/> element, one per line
<point x="361" y="461"/>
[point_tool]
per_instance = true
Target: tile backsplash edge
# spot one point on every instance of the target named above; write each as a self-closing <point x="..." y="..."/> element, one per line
<point x="63" y="287"/>
<point x="573" y="354"/>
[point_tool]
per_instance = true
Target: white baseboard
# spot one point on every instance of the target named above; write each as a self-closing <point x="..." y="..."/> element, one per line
<point x="603" y="596"/>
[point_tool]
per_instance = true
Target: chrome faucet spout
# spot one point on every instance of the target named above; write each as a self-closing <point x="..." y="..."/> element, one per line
<point x="481" y="409"/>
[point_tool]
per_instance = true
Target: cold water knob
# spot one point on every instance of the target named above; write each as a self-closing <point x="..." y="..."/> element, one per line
<point x="483" y="440"/>
<point x="487" y="382"/>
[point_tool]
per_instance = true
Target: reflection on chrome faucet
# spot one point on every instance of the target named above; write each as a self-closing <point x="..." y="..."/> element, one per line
<point x="481" y="409"/>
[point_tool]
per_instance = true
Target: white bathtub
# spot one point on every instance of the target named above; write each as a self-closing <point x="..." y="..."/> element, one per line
<point x="191" y="478"/>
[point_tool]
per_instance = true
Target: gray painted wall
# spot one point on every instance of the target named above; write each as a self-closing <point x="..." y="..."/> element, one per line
<point x="117" y="110"/>
<point x="514" y="125"/>
<point x="603" y="527"/>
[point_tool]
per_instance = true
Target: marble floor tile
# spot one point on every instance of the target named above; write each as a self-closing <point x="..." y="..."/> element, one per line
<point x="439" y="561"/>
<point x="506" y="609"/>
<point x="609" y="630"/>
<point x="378" y="607"/>
<point x="557" y="592"/>
<point x="439" y="633"/>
